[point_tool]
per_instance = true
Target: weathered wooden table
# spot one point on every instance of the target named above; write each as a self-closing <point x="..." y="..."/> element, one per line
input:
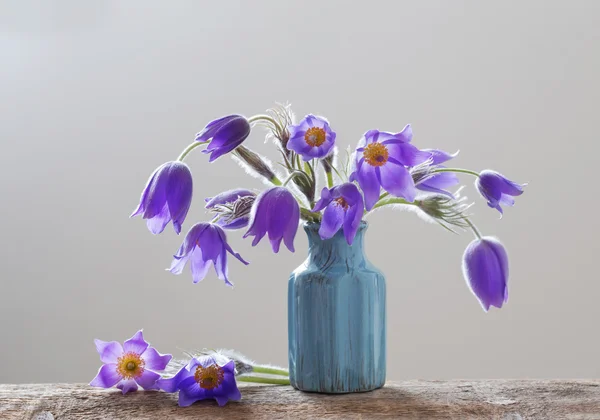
<point x="499" y="399"/>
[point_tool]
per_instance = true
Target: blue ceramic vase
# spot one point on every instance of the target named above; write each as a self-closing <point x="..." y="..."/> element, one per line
<point x="336" y="317"/>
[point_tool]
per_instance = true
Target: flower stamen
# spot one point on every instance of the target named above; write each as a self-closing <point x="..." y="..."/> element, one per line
<point x="315" y="136"/>
<point x="130" y="365"/>
<point x="342" y="203"/>
<point x="209" y="377"/>
<point x="376" y="154"/>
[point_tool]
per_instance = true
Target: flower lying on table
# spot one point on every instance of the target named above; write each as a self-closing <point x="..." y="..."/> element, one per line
<point x="209" y="374"/>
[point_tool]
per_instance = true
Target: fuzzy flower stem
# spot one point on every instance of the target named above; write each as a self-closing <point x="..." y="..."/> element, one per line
<point x="188" y="149"/>
<point x="473" y="227"/>
<point x="263" y="117"/>
<point x="309" y="216"/>
<point x="275" y="181"/>
<point x="457" y="170"/>
<point x="270" y="371"/>
<point x="329" y="179"/>
<point x="263" y="380"/>
<point x="381" y="203"/>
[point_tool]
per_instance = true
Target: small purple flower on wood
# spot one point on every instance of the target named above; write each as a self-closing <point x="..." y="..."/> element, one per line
<point x="127" y="366"/>
<point x="277" y="213"/>
<point x="344" y="207"/>
<point x="203" y="244"/>
<point x="225" y="133"/>
<point x="381" y="161"/>
<point x="166" y="197"/>
<point x="497" y="189"/>
<point x="311" y="138"/>
<point x="203" y="379"/>
<point x="485" y="268"/>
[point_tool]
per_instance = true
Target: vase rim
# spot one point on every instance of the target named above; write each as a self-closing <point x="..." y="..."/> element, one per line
<point x="314" y="226"/>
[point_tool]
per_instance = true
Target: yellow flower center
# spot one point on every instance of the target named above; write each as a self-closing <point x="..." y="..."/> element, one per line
<point x="314" y="136"/>
<point x="209" y="377"/>
<point x="342" y="203"/>
<point x="376" y="154"/>
<point x="130" y="365"/>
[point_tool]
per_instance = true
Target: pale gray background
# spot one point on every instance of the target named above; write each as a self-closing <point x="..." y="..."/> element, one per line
<point x="95" y="95"/>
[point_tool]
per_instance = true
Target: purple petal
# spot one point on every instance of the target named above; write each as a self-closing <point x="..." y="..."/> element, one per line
<point x="107" y="376"/>
<point x="127" y="386"/>
<point x="141" y="207"/>
<point x="136" y="344"/>
<point x="147" y="380"/>
<point x="213" y="126"/>
<point x="369" y="183"/>
<point x="179" y="193"/>
<point x="154" y="360"/>
<point x="109" y="351"/>
<point x="323" y="201"/>
<point x="333" y="218"/>
<point x="239" y="223"/>
<point x="229" y="249"/>
<point x="159" y="221"/>
<point x="221" y="267"/>
<point x="485" y="268"/>
<point x="396" y="180"/>
<point x="406" y="154"/>
<point x="199" y="265"/>
<point x="352" y="221"/>
<point x="157" y="192"/>
<point x="190" y="393"/>
<point x="178" y="264"/>
<point x="299" y="145"/>
<point x="172" y="384"/>
<point x="191" y="239"/>
<point x="438" y="183"/>
<point x="439" y="156"/>
<point x="228" y="137"/>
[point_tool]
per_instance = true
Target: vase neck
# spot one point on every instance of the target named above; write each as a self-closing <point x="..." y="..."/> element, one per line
<point x="327" y="252"/>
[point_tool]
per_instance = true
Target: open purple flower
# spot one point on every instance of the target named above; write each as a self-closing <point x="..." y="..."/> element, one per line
<point x="497" y="189"/>
<point x="166" y="197"/>
<point x="129" y="365"/>
<point x="311" y="138"/>
<point x="277" y="213"/>
<point x="343" y="206"/>
<point x="201" y="380"/>
<point x="226" y="133"/>
<point x="439" y="182"/>
<point x="485" y="268"/>
<point x="237" y="202"/>
<point x="381" y="161"/>
<point x="203" y="244"/>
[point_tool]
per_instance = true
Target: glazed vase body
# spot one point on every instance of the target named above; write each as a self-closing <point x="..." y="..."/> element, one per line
<point x="336" y="318"/>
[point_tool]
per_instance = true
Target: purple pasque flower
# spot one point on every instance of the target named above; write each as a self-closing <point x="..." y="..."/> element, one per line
<point x="203" y="379"/>
<point x="343" y="206"/>
<point x="485" y="268"/>
<point x="439" y="182"/>
<point x="381" y="161"/>
<point x="204" y="243"/>
<point x="497" y="189"/>
<point x="311" y="138"/>
<point x="236" y="200"/>
<point x="135" y="363"/>
<point x="166" y="197"/>
<point x="276" y="212"/>
<point x="225" y="134"/>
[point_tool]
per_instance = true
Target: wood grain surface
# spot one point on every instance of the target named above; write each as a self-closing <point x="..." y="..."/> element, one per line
<point x="498" y="399"/>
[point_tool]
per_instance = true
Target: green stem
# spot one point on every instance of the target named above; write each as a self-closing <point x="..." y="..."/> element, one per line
<point x="191" y="147"/>
<point x="473" y="227"/>
<point x="458" y="170"/>
<point x="275" y="181"/>
<point x="271" y="371"/>
<point x="263" y="117"/>
<point x="329" y="179"/>
<point x="309" y="216"/>
<point x="392" y="201"/>
<point x="261" y="380"/>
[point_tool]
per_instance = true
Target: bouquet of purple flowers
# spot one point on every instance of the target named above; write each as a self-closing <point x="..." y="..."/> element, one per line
<point x="384" y="169"/>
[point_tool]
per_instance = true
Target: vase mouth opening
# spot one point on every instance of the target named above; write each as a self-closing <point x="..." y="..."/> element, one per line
<point x="314" y="226"/>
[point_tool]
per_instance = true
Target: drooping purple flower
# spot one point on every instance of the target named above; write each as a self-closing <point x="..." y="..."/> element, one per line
<point x="485" y="268"/>
<point x="166" y="197"/>
<point x="203" y="379"/>
<point x="226" y="133"/>
<point x="277" y="213"/>
<point x="497" y="189"/>
<point x="381" y="161"/>
<point x="204" y="243"/>
<point x="439" y="182"/>
<point x="237" y="201"/>
<point x="343" y="206"/>
<point x="127" y="366"/>
<point x="311" y="138"/>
